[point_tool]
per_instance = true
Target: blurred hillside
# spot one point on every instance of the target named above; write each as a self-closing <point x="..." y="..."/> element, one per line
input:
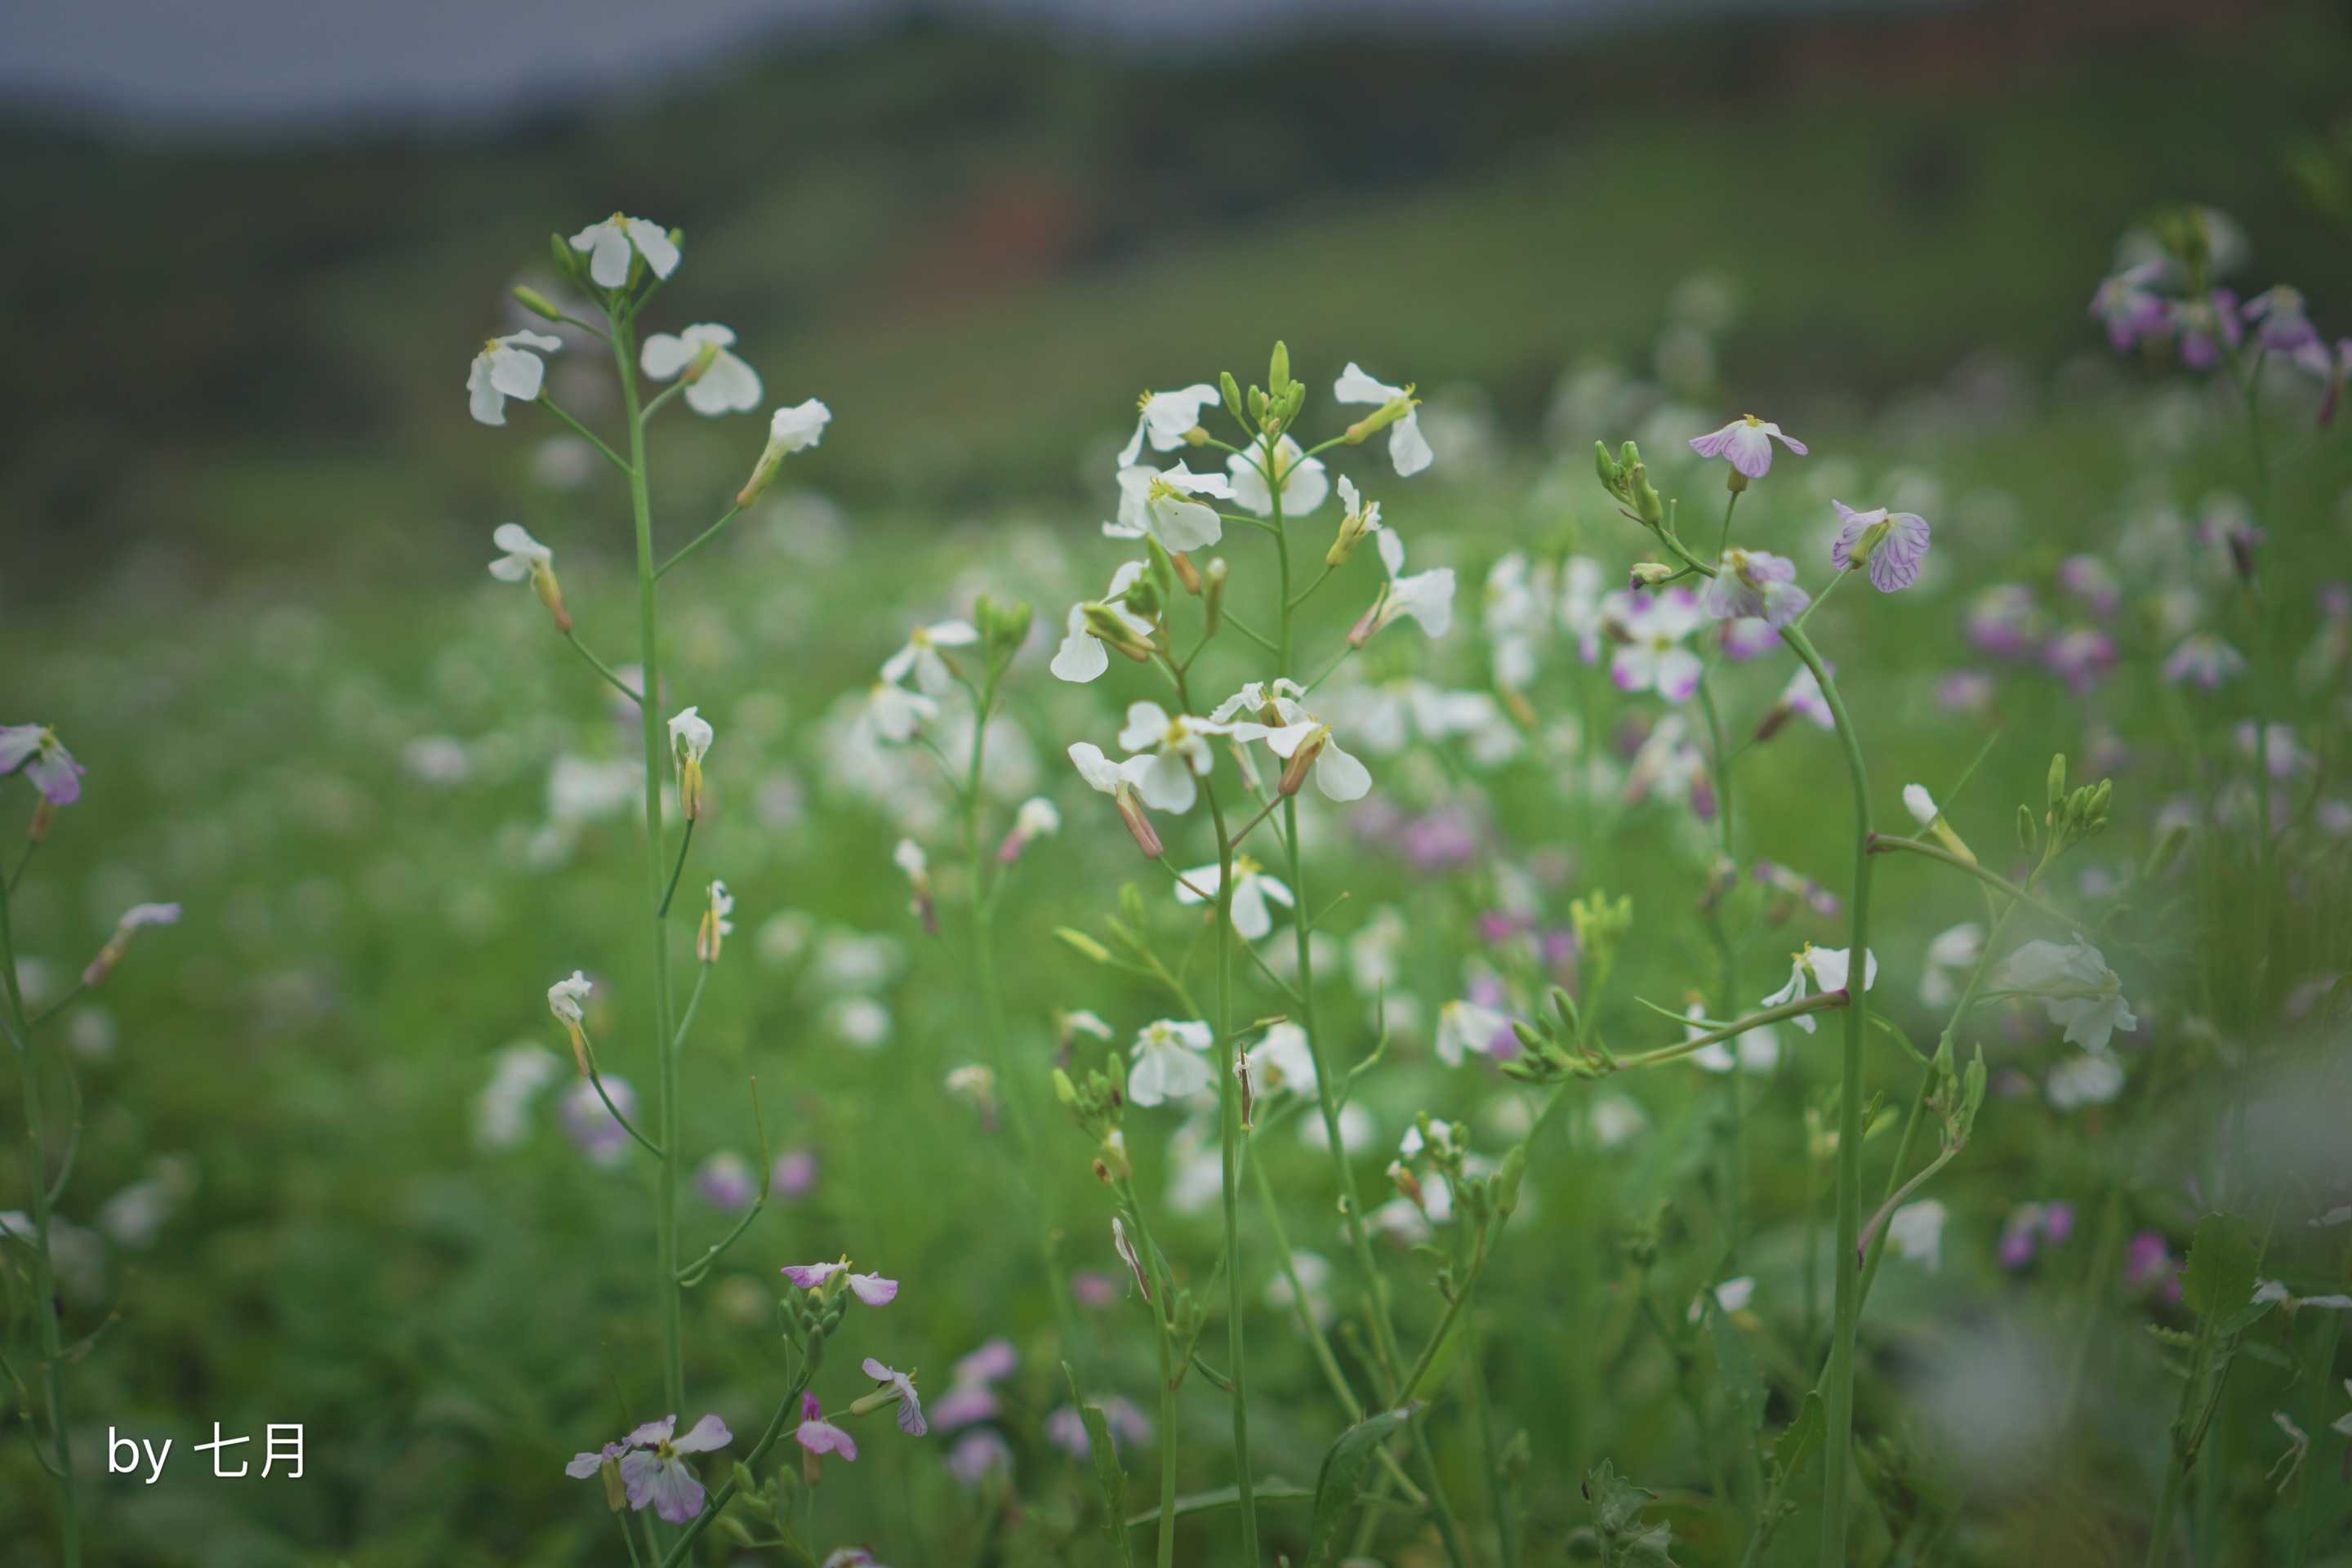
<point x="958" y="240"/>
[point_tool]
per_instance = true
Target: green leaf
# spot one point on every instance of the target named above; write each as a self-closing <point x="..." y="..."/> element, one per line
<point x="1222" y="1498"/>
<point x="1343" y="1463"/>
<point x="1107" y="1471"/>
<point x="1623" y="1540"/>
<point x="1741" y="1376"/>
<point x="1795" y="1447"/>
<point x="1440" y="1365"/>
<point x="2220" y="1274"/>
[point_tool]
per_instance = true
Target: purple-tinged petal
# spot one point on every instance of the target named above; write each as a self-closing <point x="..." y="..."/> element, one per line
<point x="583" y="1465"/>
<point x="651" y="1433"/>
<point x="56" y="775"/>
<point x="993" y="1360"/>
<point x="873" y="1289"/>
<point x="964" y="1405"/>
<point x="812" y="1276"/>
<point x="708" y="1432"/>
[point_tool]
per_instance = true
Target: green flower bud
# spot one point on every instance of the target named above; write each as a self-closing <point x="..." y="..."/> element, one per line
<point x="1277" y="376"/>
<point x="1232" y="392"/>
<point x="1064" y="1089"/>
<point x="538" y="304"/>
<point x="1212" y="597"/>
<point x="2168" y="849"/>
<point x="2028" y="832"/>
<point x="2057" y="780"/>
<point x="1161" y="571"/>
<point x="1507" y="1179"/>
<point x="1081" y="943"/>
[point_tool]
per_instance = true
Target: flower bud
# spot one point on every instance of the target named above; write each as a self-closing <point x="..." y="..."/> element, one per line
<point x="1408" y="1186"/>
<point x="1113" y="632"/>
<point x="2028" y="833"/>
<point x="616" y="1495"/>
<point x="1294" y="773"/>
<point x="1362" y="633"/>
<point x="538" y="304"/>
<point x="1606" y="467"/>
<point x="1212" y="597"/>
<point x="1507" y="1179"/>
<point x="1646" y="504"/>
<point x="1232" y="391"/>
<point x="1777" y="716"/>
<point x="1650" y="573"/>
<point x="44" y="815"/>
<point x="1132" y="812"/>
<point x="136" y="918"/>
<point x="1277" y="374"/>
<point x="1186" y="572"/>
<point x="1082" y="944"/>
<point x="1158" y="567"/>
<point x="2057" y="780"/>
<point x="790" y="430"/>
<point x="1381" y="418"/>
<point x="2168" y="849"/>
<point x="1064" y="1089"/>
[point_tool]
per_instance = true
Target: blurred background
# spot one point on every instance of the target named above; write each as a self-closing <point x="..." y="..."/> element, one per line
<point x="247" y="238"/>
<point x="249" y="248"/>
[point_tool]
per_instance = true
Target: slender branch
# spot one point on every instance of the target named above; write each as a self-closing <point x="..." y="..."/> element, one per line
<point x="704" y="537"/>
<point x="588" y="436"/>
<point x="1881" y="844"/>
<point x="684" y="841"/>
<point x="601" y="668"/>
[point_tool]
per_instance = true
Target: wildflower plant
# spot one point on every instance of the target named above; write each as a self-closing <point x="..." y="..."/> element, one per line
<point x="34" y="1353"/>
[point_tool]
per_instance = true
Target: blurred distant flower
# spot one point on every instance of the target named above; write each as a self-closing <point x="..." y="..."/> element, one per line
<point x="2077" y="989"/>
<point x="2028" y="1225"/>
<point x="1283" y="1059"/>
<point x="132" y="920"/>
<point x="975" y="1454"/>
<point x="1668" y="767"/>
<point x="1965" y="691"/>
<point x="2205" y="659"/>
<point x="1037" y="818"/>
<point x="1168" y="419"/>
<point x="2126" y="305"/>
<point x="1758" y="1049"/>
<point x="1892" y="544"/>
<point x="2281" y="325"/>
<point x="971" y="1395"/>
<point x="2148" y="1260"/>
<point x="1803" y="695"/>
<point x="1915" y="1231"/>
<point x="2091" y="584"/>
<point x="1252" y="885"/>
<point x="46" y="762"/>
<point x="922" y="655"/>
<point x="715" y="928"/>
<point x="1797" y="885"/>
<point x="507" y="367"/>
<point x="1092" y="1288"/>
<point x="897" y="713"/>
<point x="1749" y="637"/>
<point x="794" y="1173"/>
<point x="608" y="245"/>
<point x="1957" y="948"/>
<point x="1465" y="1028"/>
<point x="909" y="857"/>
<point x="1082" y="656"/>
<point x="1066" y="1429"/>
<point x="2083" y="1080"/>
<point x="726" y="1181"/>
<point x="1826" y="967"/>
<point x="1407" y="449"/>
<point x="2081" y="657"/>
<point x="1747" y="445"/>
<point x="501" y="1109"/>
<point x="1751" y="583"/>
<point x="726" y="385"/>
<point x="1171" y="1062"/>
<point x="1653" y="658"/>
<point x="1165" y="504"/>
<point x="591" y="1127"/>
<point x="1580" y="580"/>
<point x="2283" y="754"/>
<point x="2006" y="621"/>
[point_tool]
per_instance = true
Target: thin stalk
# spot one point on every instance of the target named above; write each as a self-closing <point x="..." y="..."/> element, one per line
<point x="704" y="537"/>
<point x="1727" y="991"/>
<point x="1499" y="1495"/>
<point x="2323" y="1391"/>
<point x="1229" y="1137"/>
<point x="656" y="878"/>
<point x="44" y="1288"/>
<point x="1878" y="843"/>
<point x="787" y="1411"/>
<point x="1838" y="1452"/>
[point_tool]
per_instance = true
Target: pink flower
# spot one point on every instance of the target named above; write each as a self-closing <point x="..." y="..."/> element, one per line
<point x="726" y="1182"/>
<point x="2029" y="1226"/>
<point x="2285" y="329"/>
<point x="2204" y="659"/>
<point x="1750" y="637"/>
<point x="1965" y="691"/>
<point x="1651" y="657"/>
<point x="794" y="1173"/>
<point x="2091" y="584"/>
<point x="651" y="1469"/>
<point x="902" y="1385"/>
<point x="2006" y="621"/>
<point x="1093" y="1288"/>
<point x="1747" y="443"/>
<point x="1892" y="543"/>
<point x="1066" y="1429"/>
<point x="819" y="1436"/>
<point x="1755" y="583"/>
<point x="1803" y="695"/>
<point x="2081" y="657"/>
<point x="2149" y="1260"/>
<point x="47" y="764"/>
<point x="975" y="1454"/>
<point x="2126" y="307"/>
<point x="2204" y="325"/>
<point x="870" y="1288"/>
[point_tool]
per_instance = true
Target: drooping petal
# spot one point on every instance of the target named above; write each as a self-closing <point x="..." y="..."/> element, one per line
<point x="873" y="1289"/>
<point x="727" y="386"/>
<point x="653" y="243"/>
<point x="708" y="1432"/>
<point x="1408" y="447"/>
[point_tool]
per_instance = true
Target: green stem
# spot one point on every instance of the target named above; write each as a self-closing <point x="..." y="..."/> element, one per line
<point x="1229" y="1138"/>
<point x="704" y="537"/>
<point x="786" y="1413"/>
<point x="1882" y="844"/>
<point x="666" y="1057"/>
<point x="1837" y="1455"/>
<point x="601" y="668"/>
<point x="2323" y="1390"/>
<point x="1726" y="995"/>
<point x="59" y="1463"/>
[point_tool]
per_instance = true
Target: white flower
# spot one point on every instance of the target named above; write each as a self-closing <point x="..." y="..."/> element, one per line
<point x="727" y="386"/>
<point x="897" y="713"/>
<point x="567" y="998"/>
<point x="1915" y="1231"/>
<point x="1177" y="745"/>
<point x="2077" y="987"/>
<point x="2083" y="1080"/>
<point x="1735" y="1295"/>
<point x="1651" y="657"/>
<point x="1616" y="1120"/>
<point x="1161" y="503"/>
<point x="502" y="1109"/>
<point x="1825" y="966"/>
<point x="1304" y="482"/>
<point x="909" y="857"/>
<point x="1519" y="616"/>
<point x="1375" y="952"/>
<point x="1407" y="449"/>
<point x="525" y="556"/>
<point x="921" y="654"/>
<point x="1037" y="818"/>
<point x="1082" y="657"/>
<point x="1283" y="1059"/>
<point x="1466" y="1030"/>
<point x="1921" y="805"/>
<point x="1299" y="738"/>
<point x="1426" y="596"/>
<point x="690" y="734"/>
<point x="1252" y="887"/>
<point x="1169" y="1062"/>
<point x="609" y="243"/>
<point x="1361" y="517"/>
<point x="1580" y="580"/>
<point x="1168" y="418"/>
<point x="1104" y="775"/>
<point x="1314" y="1272"/>
<point x="1958" y="947"/>
<point x="1759" y="1047"/>
<point x="506" y="369"/>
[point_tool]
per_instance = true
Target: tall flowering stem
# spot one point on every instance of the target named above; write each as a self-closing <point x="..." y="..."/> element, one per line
<point x="1837" y="1455"/>
<point x="58" y="1459"/>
